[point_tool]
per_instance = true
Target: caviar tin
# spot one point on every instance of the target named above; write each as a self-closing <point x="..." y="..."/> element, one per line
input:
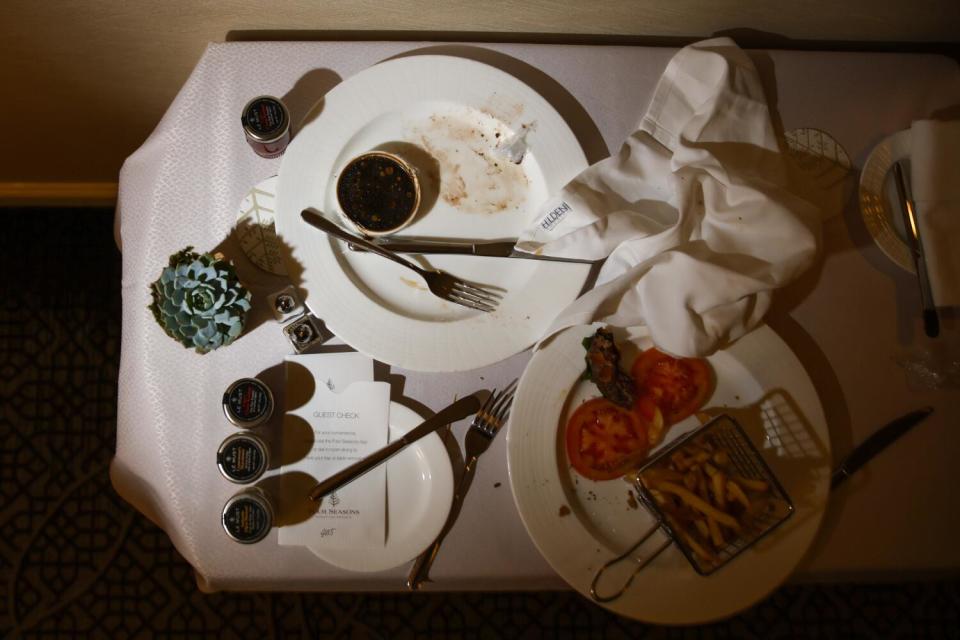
<point x="248" y="516"/>
<point x="248" y="403"/>
<point x="266" y="125"/>
<point x="378" y="193"/>
<point x="242" y="458"/>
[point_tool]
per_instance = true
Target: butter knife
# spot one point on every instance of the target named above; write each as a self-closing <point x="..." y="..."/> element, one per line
<point x="498" y="249"/>
<point x="931" y="323"/>
<point x="456" y="411"/>
<point x="883" y="438"/>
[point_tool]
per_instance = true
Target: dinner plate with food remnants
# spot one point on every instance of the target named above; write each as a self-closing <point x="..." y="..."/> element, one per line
<point x="458" y="124"/>
<point x="597" y="404"/>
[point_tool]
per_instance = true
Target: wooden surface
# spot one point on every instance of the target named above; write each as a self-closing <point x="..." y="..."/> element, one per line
<point x="85" y="82"/>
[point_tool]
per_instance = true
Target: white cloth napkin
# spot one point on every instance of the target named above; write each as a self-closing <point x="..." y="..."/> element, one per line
<point x="694" y="211"/>
<point x="935" y="183"/>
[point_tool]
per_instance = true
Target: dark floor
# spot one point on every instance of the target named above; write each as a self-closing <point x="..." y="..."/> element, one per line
<point x="76" y="561"/>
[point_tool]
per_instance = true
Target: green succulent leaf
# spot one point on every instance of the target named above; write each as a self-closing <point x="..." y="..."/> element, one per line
<point x="198" y="301"/>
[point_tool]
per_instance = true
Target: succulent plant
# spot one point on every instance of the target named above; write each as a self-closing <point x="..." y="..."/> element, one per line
<point x="199" y="301"/>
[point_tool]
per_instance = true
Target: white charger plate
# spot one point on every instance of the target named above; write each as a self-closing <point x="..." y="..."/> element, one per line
<point x="455" y="112"/>
<point x="578" y="524"/>
<point x="878" y="197"/>
<point x="419" y="497"/>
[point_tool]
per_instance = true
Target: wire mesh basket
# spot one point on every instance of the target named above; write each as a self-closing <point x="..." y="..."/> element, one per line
<point x="712" y="494"/>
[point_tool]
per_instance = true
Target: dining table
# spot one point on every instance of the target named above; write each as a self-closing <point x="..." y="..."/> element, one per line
<point x="852" y="320"/>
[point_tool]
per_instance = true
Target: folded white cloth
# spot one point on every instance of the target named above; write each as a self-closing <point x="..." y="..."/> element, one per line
<point x="694" y="212"/>
<point x="935" y="183"/>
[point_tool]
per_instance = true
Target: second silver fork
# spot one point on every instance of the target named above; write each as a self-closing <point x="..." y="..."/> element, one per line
<point x="486" y="424"/>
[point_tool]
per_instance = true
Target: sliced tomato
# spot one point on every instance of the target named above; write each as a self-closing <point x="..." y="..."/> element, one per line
<point x="679" y="386"/>
<point x="604" y="441"/>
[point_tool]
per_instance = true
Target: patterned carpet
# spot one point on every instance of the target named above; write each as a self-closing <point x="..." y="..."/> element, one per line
<point x="77" y="562"/>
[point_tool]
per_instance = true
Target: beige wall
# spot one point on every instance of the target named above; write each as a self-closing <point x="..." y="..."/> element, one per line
<point x="84" y="82"/>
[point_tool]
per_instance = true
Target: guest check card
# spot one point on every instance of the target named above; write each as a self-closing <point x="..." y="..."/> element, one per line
<point x="348" y="414"/>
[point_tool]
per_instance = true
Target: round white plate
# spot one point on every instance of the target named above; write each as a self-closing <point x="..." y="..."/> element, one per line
<point x="878" y="196"/>
<point x="419" y="496"/>
<point x="578" y="524"/>
<point x="453" y="114"/>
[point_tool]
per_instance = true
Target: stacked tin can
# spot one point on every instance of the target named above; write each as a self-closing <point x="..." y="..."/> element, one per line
<point x="243" y="458"/>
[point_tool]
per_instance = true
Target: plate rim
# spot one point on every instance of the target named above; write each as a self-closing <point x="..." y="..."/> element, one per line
<point x="763" y="332"/>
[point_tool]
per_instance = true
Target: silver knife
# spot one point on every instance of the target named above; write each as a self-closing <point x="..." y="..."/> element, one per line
<point x="499" y="249"/>
<point x="931" y="323"/>
<point x="456" y="411"/>
<point x="883" y="438"/>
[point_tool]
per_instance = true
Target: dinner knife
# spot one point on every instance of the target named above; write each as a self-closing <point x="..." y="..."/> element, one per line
<point x="499" y="249"/>
<point x="876" y="443"/>
<point x="931" y="323"/>
<point x="460" y="409"/>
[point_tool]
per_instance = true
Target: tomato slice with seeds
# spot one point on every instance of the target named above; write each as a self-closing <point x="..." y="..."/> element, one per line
<point x="679" y="386"/>
<point x="605" y="441"/>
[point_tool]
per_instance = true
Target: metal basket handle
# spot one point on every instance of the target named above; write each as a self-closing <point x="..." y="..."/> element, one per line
<point x="626" y="554"/>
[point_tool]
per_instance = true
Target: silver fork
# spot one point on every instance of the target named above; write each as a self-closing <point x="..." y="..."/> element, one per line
<point x="441" y="284"/>
<point x="492" y="415"/>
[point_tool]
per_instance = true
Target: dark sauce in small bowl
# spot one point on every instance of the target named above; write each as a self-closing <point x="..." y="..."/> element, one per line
<point x="378" y="192"/>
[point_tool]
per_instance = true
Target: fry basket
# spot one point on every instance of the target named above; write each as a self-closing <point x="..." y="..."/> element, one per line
<point x="724" y="434"/>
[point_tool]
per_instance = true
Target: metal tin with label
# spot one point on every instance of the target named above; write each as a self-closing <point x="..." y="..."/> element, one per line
<point x="243" y="458"/>
<point x="248" y="403"/>
<point x="248" y="516"/>
<point x="266" y="124"/>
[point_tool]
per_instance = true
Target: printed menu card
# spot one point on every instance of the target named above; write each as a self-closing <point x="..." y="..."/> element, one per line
<point x="348" y="415"/>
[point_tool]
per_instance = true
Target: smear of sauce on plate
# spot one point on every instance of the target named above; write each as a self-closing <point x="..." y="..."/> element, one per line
<point x="502" y="108"/>
<point x="475" y="177"/>
<point x="413" y="284"/>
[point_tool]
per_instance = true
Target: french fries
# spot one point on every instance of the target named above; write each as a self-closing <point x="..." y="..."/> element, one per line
<point x="706" y="501"/>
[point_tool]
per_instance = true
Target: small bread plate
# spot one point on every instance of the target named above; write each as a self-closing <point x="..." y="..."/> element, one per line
<point x="419" y="496"/>
<point x="878" y="197"/>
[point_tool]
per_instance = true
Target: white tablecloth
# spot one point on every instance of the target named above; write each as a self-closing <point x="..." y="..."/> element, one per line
<point x="847" y="320"/>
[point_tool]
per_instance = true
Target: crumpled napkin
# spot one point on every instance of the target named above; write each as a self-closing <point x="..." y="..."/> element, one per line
<point x="935" y="184"/>
<point x="694" y="212"/>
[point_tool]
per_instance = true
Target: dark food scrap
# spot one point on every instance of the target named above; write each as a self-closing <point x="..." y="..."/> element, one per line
<point x="603" y="368"/>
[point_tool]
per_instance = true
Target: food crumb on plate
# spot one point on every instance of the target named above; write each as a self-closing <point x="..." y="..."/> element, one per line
<point x="413" y="284"/>
<point x="564" y="510"/>
<point x="496" y="485"/>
